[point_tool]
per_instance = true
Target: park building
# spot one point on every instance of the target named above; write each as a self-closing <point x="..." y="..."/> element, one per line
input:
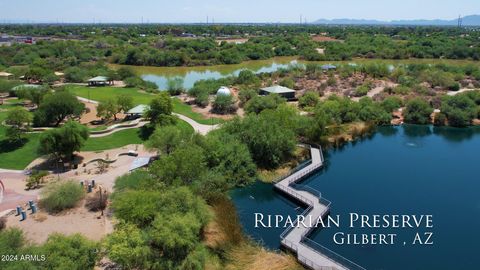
<point x="282" y="91"/>
<point x="100" y="81"/>
<point x="224" y="91"/>
<point x="137" y="111"/>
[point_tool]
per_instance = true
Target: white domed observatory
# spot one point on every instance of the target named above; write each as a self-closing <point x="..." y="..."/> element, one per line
<point x="224" y="91"/>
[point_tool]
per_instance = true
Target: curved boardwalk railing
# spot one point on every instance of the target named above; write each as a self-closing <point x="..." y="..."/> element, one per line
<point x="108" y="161"/>
<point x="309" y="253"/>
<point x="110" y="129"/>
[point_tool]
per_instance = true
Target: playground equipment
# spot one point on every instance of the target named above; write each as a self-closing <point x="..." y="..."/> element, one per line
<point x="30" y="204"/>
<point x="2" y="189"/>
<point x="90" y="188"/>
<point x="24" y="215"/>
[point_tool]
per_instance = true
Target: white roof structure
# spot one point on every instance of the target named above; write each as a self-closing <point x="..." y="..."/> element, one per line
<point x="139" y="163"/>
<point x="5" y="74"/>
<point x="328" y="67"/>
<point x="277" y="89"/>
<point x="140" y="109"/>
<point x="224" y="91"/>
<point x="99" y="79"/>
<point x="26" y="86"/>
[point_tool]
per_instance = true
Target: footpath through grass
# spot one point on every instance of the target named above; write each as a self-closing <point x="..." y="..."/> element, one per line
<point x="18" y="156"/>
<point x="101" y="94"/>
<point x="125" y="137"/>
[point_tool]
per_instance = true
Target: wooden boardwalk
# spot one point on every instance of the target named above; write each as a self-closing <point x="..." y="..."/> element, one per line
<point x="310" y="253"/>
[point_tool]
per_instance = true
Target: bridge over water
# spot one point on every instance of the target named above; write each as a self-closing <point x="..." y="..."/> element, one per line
<point x="309" y="253"/>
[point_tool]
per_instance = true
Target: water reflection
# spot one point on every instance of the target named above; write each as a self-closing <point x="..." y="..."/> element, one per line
<point x="379" y="175"/>
<point x="456" y="134"/>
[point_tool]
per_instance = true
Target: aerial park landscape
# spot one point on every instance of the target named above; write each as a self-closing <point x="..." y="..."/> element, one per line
<point x="330" y="144"/>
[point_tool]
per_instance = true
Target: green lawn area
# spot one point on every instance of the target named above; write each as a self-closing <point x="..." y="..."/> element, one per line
<point x="122" y="138"/>
<point x="101" y="94"/>
<point x="16" y="157"/>
<point x="98" y="128"/>
<point x="182" y="108"/>
<point x="116" y="140"/>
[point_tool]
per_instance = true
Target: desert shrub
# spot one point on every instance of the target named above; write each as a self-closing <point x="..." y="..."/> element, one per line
<point x="260" y="103"/>
<point x="440" y="119"/>
<point x="309" y="99"/>
<point x="69" y="252"/>
<point x="224" y="104"/>
<point x="35" y="179"/>
<point x="137" y="180"/>
<point x="418" y="112"/>
<point x="460" y="110"/>
<point x="202" y="99"/>
<point x="454" y="86"/>
<point x="401" y="90"/>
<point x="3" y="223"/>
<point x="245" y="95"/>
<point x="361" y="91"/>
<point x="288" y="82"/>
<point x="247" y="77"/>
<point x="11" y="241"/>
<point x="7" y="85"/>
<point x="331" y="81"/>
<point x="390" y="104"/>
<point x="97" y="201"/>
<point x="175" y="86"/>
<point x="61" y="195"/>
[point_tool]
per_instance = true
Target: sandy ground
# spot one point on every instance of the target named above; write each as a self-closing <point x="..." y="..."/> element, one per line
<point x="91" y="115"/>
<point x="206" y="112"/>
<point x="79" y="220"/>
<point x="15" y="193"/>
<point x="321" y="38"/>
<point x="377" y="90"/>
<point x="88" y="118"/>
<point x="90" y="171"/>
<point x="39" y="226"/>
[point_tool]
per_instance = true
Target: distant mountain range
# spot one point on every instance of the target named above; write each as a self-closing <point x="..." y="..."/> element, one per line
<point x="473" y="20"/>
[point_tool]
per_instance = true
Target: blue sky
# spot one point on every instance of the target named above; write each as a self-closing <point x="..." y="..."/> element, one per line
<point x="177" y="11"/>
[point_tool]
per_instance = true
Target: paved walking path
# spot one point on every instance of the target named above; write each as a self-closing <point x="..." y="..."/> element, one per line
<point x="463" y="90"/>
<point x="200" y="128"/>
<point x="118" y="127"/>
<point x="294" y="238"/>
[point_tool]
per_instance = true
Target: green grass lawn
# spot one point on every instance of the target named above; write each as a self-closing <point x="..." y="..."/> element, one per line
<point x="98" y="128"/>
<point x="182" y="108"/>
<point x="102" y="94"/>
<point x="116" y="140"/>
<point x="124" y="137"/>
<point x="16" y="157"/>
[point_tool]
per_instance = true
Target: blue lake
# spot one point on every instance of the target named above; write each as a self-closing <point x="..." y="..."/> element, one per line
<point x="409" y="170"/>
<point x="190" y="75"/>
